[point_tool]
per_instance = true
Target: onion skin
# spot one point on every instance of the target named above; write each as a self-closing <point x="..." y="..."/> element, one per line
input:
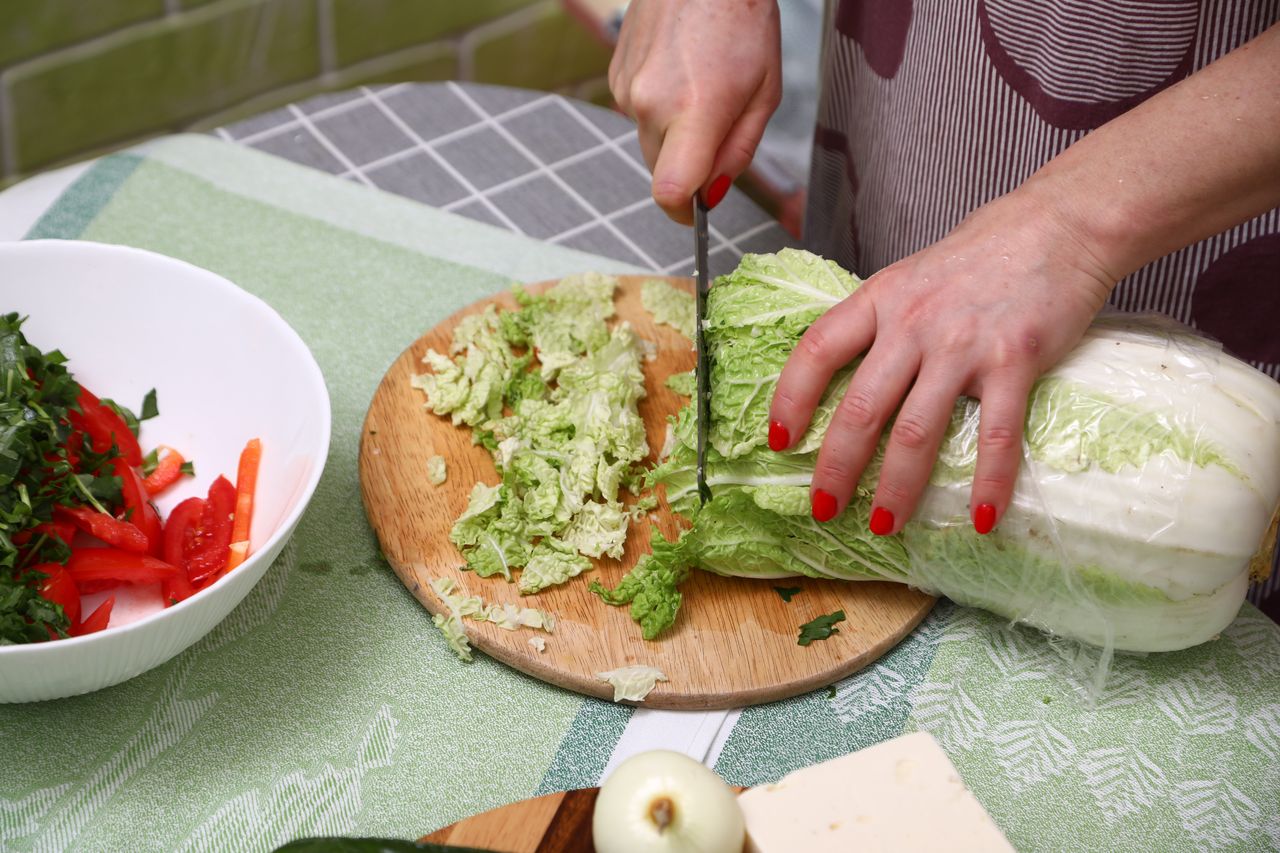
<point x="665" y="802"/>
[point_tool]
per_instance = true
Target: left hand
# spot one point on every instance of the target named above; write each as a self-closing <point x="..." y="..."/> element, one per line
<point x="983" y="312"/>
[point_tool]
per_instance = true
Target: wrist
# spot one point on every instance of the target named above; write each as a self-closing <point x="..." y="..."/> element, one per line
<point x="1093" y="225"/>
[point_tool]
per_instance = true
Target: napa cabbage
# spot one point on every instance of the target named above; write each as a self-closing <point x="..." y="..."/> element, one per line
<point x="1151" y="473"/>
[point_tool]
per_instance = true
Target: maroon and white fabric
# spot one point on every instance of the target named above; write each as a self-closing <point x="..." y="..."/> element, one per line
<point x="930" y="108"/>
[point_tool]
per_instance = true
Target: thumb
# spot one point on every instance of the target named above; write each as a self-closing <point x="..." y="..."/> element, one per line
<point x="684" y="162"/>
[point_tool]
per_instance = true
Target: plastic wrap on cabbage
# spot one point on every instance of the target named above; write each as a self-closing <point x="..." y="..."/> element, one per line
<point x="1151" y="473"/>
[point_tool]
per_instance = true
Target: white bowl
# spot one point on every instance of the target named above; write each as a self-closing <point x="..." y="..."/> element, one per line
<point x="226" y="368"/>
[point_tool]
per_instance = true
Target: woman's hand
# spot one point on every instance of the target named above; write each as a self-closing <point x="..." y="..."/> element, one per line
<point x="982" y="313"/>
<point x="701" y="78"/>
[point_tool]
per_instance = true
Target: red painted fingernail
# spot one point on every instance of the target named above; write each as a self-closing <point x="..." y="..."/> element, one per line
<point x="779" y="438"/>
<point x="824" y="506"/>
<point x="717" y="190"/>
<point x="881" y="521"/>
<point x="984" y="518"/>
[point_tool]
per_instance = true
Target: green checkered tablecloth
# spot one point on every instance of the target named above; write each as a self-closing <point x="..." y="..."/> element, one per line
<point x="327" y="703"/>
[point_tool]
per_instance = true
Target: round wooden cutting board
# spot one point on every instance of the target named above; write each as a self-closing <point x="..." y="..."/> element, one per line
<point x="734" y="642"/>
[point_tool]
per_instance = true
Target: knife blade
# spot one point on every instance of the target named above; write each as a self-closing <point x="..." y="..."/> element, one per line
<point x="703" y="368"/>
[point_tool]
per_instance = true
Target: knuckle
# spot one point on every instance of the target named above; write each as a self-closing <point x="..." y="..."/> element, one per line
<point x="645" y="98"/>
<point x="830" y="470"/>
<point x="999" y="439"/>
<point x="670" y="195"/>
<point x="893" y="491"/>
<point x="992" y="484"/>
<point x="911" y="432"/>
<point x="858" y="410"/>
<point x="814" y="343"/>
<point x="784" y="400"/>
<point x="1018" y="347"/>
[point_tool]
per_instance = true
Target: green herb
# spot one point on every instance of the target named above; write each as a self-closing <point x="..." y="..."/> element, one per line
<point x="37" y="396"/>
<point x="786" y="591"/>
<point x="149" y="408"/>
<point x="188" y="468"/>
<point x="820" y="628"/>
<point x="831" y="692"/>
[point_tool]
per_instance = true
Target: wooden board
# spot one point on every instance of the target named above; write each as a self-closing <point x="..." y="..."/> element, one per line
<point x="734" y="643"/>
<point x="552" y="823"/>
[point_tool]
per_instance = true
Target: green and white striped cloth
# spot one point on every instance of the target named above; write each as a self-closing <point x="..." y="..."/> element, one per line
<point x="327" y="704"/>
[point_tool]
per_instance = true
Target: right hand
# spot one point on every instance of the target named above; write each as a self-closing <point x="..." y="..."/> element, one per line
<point x="701" y="78"/>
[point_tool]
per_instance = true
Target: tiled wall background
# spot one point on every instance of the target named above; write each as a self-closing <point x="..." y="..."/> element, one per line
<point x="78" y="77"/>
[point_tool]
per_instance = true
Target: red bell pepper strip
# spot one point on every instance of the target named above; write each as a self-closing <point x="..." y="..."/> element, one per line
<point x="138" y="504"/>
<point x="96" y="621"/>
<point x="167" y="472"/>
<point x="246" y="486"/>
<point x="113" y="531"/>
<point x="58" y="528"/>
<point x="103" y="427"/>
<point x="207" y="557"/>
<point x="59" y="588"/>
<point x="99" y="564"/>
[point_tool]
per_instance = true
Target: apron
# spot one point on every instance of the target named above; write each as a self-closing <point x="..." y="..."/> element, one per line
<point x="931" y="108"/>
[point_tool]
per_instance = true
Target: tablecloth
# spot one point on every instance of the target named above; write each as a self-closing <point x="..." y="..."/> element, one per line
<point x="327" y="703"/>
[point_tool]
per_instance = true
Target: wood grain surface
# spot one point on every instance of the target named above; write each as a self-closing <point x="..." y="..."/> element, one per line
<point x="734" y="642"/>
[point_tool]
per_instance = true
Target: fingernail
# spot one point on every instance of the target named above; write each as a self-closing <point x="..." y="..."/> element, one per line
<point x="824" y="506"/>
<point x="984" y="518"/>
<point x="717" y="190"/>
<point x="881" y="521"/>
<point x="779" y="438"/>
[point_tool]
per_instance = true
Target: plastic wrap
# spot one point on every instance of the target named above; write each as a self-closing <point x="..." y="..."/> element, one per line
<point x="1151" y="474"/>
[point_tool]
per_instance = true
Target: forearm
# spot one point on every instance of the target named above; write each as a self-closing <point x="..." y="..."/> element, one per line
<point x="1200" y="157"/>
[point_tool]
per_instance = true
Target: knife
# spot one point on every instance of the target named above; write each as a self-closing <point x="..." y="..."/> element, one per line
<point x="702" y="371"/>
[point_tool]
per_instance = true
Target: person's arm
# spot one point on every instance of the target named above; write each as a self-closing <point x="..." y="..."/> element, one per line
<point x="1011" y="290"/>
<point x="701" y="78"/>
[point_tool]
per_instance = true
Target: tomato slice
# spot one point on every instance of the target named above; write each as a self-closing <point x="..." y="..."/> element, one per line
<point x="113" y="531"/>
<point x="59" y="588"/>
<point x="180" y="531"/>
<point x="102" y="564"/>
<point x="138" y="504"/>
<point x="97" y="620"/>
<point x="103" y="427"/>
<point x="207" y="557"/>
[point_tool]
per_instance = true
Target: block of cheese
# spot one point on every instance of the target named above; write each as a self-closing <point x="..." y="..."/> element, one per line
<point x="901" y="795"/>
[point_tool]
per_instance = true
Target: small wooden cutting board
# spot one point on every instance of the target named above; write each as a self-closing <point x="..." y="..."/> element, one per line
<point x="734" y="642"/>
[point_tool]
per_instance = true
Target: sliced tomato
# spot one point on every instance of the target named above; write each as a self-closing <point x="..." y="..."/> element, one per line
<point x="137" y="503"/>
<point x="111" y="564"/>
<point x="96" y="621"/>
<point x="207" y="558"/>
<point x="59" y="588"/>
<point x="103" y="427"/>
<point x="180" y="531"/>
<point x="113" y="531"/>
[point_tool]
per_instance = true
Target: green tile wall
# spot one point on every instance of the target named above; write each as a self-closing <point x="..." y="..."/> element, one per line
<point x="148" y="77"/>
<point x="31" y="27"/>
<point x="365" y="28"/>
<point x="78" y="77"/>
<point x="552" y="49"/>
